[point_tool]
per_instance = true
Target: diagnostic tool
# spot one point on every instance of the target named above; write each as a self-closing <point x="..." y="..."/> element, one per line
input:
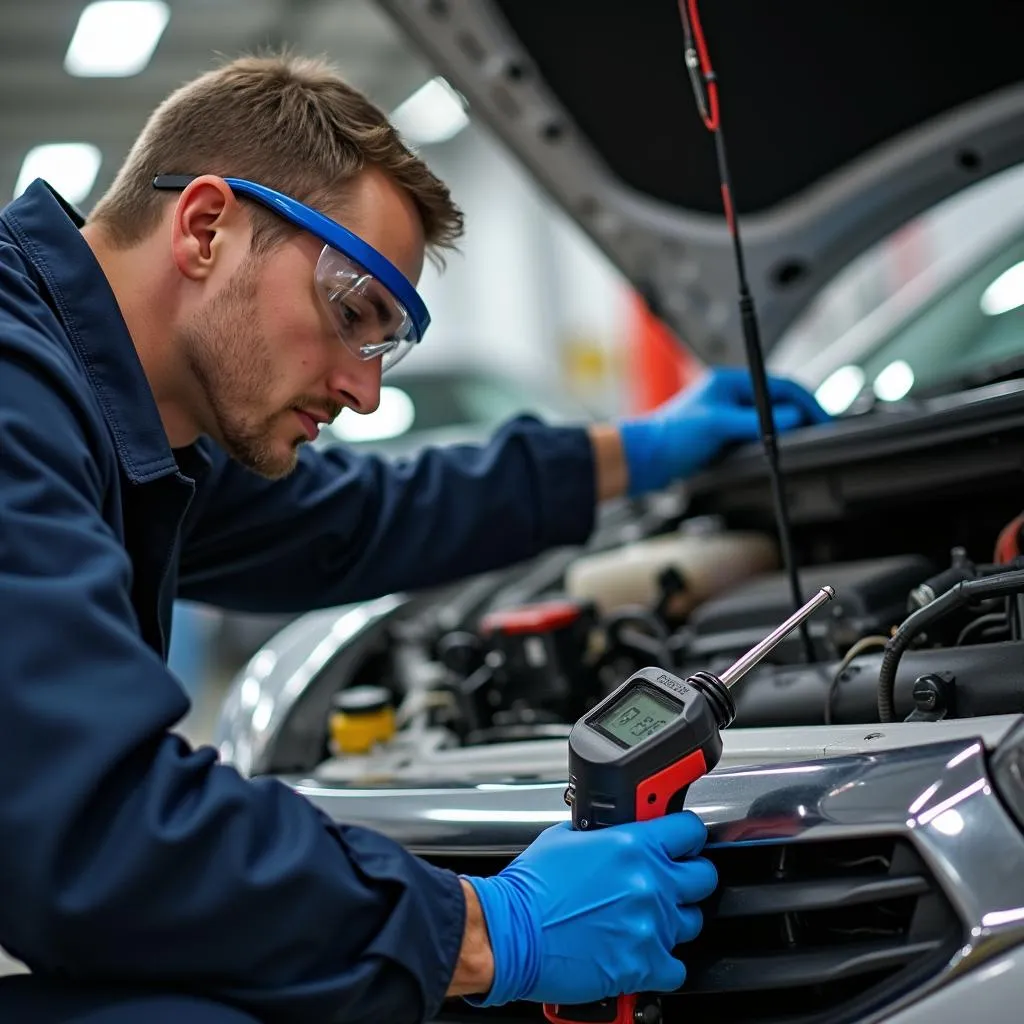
<point x="634" y="756"/>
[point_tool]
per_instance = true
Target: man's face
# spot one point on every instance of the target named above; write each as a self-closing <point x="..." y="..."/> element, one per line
<point x="265" y="351"/>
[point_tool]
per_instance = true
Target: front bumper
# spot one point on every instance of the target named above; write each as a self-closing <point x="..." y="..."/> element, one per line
<point x="936" y="799"/>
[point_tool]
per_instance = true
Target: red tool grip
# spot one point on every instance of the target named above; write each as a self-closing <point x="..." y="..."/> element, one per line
<point x="618" y="1011"/>
<point x="654" y="793"/>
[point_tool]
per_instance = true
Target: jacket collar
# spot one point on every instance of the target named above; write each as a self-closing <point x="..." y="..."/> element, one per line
<point x="47" y="227"/>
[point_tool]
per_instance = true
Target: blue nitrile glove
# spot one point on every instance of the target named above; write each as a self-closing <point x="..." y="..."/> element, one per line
<point x="582" y="916"/>
<point x="684" y="434"/>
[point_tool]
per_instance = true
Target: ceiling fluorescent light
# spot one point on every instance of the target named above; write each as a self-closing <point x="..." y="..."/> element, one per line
<point x="116" y="38"/>
<point x="839" y="390"/>
<point x="434" y="113"/>
<point x="895" y="381"/>
<point x="70" y="167"/>
<point x="1006" y="292"/>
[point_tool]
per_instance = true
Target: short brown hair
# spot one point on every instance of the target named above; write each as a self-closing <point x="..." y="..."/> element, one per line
<point x="288" y="122"/>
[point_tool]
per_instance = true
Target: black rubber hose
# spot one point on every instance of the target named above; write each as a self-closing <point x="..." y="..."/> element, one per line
<point x="963" y="593"/>
<point x="653" y="645"/>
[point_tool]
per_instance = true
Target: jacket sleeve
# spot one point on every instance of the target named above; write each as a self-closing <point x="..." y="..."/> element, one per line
<point x="344" y="527"/>
<point x="128" y="856"/>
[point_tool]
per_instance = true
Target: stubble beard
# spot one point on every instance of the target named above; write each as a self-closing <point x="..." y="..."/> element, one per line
<point x="230" y="359"/>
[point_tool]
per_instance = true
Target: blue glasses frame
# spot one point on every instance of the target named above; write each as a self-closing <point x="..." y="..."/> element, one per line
<point x="330" y="232"/>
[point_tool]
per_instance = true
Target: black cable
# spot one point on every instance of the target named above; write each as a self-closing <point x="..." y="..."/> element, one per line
<point x="865" y="643"/>
<point x="960" y="595"/>
<point x="702" y="76"/>
<point x="983" y="623"/>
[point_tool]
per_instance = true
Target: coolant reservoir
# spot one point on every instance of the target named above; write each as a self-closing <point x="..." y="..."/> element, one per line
<point x="706" y="562"/>
<point x="361" y="717"/>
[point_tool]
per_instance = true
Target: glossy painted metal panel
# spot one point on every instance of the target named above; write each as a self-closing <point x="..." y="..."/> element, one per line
<point x="994" y="994"/>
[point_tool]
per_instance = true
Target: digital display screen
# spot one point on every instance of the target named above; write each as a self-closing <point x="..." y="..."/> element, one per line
<point x="637" y="716"/>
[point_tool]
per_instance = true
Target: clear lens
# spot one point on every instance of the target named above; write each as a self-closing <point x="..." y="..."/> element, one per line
<point x="370" y="321"/>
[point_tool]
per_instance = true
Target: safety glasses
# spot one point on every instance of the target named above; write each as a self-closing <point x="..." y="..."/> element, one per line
<point x="376" y="311"/>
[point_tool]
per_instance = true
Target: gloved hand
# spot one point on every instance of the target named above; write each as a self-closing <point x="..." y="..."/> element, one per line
<point x="582" y="916"/>
<point x="682" y="436"/>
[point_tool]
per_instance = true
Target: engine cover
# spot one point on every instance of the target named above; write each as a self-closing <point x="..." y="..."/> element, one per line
<point x="871" y="598"/>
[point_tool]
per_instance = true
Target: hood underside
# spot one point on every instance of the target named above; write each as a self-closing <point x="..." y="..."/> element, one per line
<point x="842" y="120"/>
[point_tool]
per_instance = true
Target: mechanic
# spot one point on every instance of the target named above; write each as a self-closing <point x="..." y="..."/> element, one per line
<point x="161" y="367"/>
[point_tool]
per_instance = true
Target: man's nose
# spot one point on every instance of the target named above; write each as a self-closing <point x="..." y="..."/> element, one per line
<point x="357" y="383"/>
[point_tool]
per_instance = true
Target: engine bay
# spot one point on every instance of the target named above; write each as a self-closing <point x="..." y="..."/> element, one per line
<point x="689" y="582"/>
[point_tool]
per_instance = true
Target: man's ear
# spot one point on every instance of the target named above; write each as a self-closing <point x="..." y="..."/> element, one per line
<point x="207" y="222"/>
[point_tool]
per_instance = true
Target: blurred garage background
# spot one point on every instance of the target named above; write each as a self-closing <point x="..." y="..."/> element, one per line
<point x="530" y="317"/>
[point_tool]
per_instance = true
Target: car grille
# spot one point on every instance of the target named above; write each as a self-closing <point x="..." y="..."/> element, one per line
<point x="797" y="932"/>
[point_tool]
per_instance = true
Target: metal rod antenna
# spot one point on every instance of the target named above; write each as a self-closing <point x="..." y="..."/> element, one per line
<point x="705" y="90"/>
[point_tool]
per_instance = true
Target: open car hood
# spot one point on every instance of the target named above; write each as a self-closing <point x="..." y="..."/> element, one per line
<point x="842" y="120"/>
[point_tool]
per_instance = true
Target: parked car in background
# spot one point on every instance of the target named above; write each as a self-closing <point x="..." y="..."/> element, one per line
<point x="445" y="404"/>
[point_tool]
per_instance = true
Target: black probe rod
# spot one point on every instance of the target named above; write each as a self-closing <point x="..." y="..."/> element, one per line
<point x="769" y="439"/>
<point x="744" y="664"/>
<point x="759" y="381"/>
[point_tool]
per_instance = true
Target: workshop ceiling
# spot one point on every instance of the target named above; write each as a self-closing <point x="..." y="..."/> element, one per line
<point x="42" y="103"/>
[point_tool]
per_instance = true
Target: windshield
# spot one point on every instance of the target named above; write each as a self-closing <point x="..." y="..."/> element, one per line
<point x="935" y="307"/>
<point x="976" y="323"/>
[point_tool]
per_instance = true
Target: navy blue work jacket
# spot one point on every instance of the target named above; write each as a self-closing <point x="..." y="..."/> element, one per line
<point x="125" y="854"/>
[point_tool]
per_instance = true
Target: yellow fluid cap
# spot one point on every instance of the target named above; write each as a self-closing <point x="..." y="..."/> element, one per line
<point x="361" y="717"/>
